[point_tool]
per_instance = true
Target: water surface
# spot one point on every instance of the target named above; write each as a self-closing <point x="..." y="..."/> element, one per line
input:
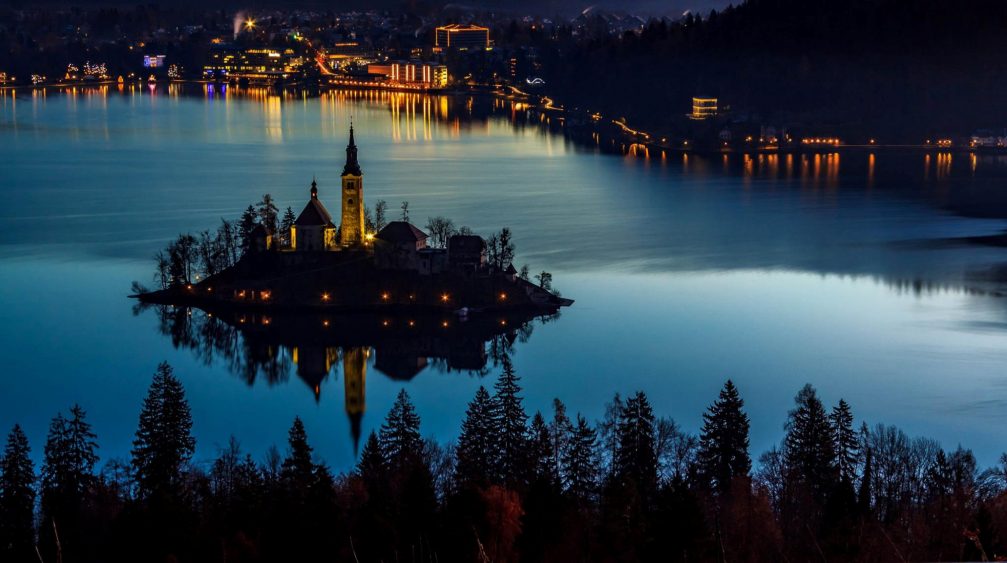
<point x="864" y="274"/>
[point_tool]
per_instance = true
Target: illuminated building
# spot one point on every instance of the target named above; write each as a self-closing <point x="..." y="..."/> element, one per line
<point x="313" y="230"/>
<point x="463" y="37"/>
<point x="430" y="75"/>
<point x="703" y="108"/>
<point x="347" y="52"/>
<point x="153" y="61"/>
<point x="259" y="63"/>
<point x="352" y="225"/>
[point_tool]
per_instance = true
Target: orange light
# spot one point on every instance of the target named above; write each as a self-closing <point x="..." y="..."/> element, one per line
<point x="265" y="295"/>
<point x="503" y="297"/>
<point x="412" y="323"/>
<point x="325" y="297"/>
<point x="325" y="322"/>
<point x="384" y="296"/>
<point x="265" y="321"/>
<point x="444" y="324"/>
<point x="384" y="323"/>
<point x="445" y="297"/>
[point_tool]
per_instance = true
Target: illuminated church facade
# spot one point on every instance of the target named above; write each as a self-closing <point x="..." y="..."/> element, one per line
<point x="314" y="230"/>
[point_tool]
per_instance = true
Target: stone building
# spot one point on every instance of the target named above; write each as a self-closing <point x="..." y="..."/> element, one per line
<point x="313" y="230"/>
<point x="351" y="228"/>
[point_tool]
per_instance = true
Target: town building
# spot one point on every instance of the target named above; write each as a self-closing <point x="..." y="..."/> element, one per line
<point x="429" y="75"/>
<point x="464" y="37"/>
<point x="226" y="61"/>
<point x="703" y="108"/>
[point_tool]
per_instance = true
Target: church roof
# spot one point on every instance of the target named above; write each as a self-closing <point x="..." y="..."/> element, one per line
<point x="401" y="231"/>
<point x="314" y="214"/>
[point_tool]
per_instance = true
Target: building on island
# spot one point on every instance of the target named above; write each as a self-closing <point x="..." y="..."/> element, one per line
<point x="313" y="230"/>
<point x="463" y="37"/>
<point x="351" y="230"/>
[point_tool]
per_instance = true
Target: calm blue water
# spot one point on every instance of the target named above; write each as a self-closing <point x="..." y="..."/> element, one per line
<point x="847" y="272"/>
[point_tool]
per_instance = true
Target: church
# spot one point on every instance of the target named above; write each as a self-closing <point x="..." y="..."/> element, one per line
<point x="314" y="230"/>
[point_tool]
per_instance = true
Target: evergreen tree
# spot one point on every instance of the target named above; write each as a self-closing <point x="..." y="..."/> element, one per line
<point x="371" y="466"/>
<point x="560" y="430"/>
<point x="247" y="223"/>
<point x="298" y="469"/>
<point x="845" y="441"/>
<point x="636" y="457"/>
<point x="286" y="223"/>
<point x="163" y="444"/>
<point x="580" y="462"/>
<point x="67" y="477"/>
<point x="867" y="474"/>
<point x="267" y="213"/>
<point x="399" y="438"/>
<point x="809" y="454"/>
<point x="17" y="499"/>
<point x="723" y="443"/>
<point x="542" y="462"/>
<point x="477" y="450"/>
<point x="510" y="425"/>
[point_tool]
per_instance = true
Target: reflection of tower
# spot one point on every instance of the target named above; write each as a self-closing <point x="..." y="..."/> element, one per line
<point x="352" y="226"/>
<point x="355" y="381"/>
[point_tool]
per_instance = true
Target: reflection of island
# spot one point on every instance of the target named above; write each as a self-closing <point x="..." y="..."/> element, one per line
<point x="315" y="346"/>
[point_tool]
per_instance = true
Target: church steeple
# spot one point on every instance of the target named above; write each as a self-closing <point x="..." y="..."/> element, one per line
<point x="352" y="166"/>
<point x="314" y="188"/>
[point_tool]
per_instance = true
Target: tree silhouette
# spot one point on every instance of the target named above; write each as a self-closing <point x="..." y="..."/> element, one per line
<point x="163" y="444"/>
<point x="67" y="476"/>
<point x="399" y="438"/>
<point x="580" y="462"/>
<point x="808" y="448"/>
<point x="477" y="449"/>
<point x="17" y="499"/>
<point x="723" y="444"/>
<point x="635" y="457"/>
<point x="510" y="424"/>
<point x="846" y="441"/>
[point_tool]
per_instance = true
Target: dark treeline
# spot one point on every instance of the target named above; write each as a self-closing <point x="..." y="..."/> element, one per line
<point x="514" y="487"/>
<point x="897" y="70"/>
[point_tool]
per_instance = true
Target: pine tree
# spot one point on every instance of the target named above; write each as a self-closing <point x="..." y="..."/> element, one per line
<point x="636" y="456"/>
<point x="371" y="467"/>
<point x="163" y="444"/>
<point x="867" y="475"/>
<point x="560" y="430"/>
<point x="247" y="223"/>
<point x="542" y="462"/>
<point x="845" y="441"/>
<point x="399" y="438"/>
<point x="17" y="499"/>
<point x="267" y="212"/>
<point x="723" y="444"/>
<point x="510" y="425"/>
<point x="67" y="476"/>
<point x="286" y="223"/>
<point x="580" y="462"/>
<point x="809" y="454"/>
<point x="477" y="450"/>
<point x="298" y="469"/>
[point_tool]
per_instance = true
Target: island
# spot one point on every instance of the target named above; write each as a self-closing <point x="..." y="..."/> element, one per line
<point x="324" y="267"/>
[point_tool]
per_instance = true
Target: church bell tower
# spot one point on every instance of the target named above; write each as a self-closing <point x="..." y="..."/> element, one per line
<point x="352" y="225"/>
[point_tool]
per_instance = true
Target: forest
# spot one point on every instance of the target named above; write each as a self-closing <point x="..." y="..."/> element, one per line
<point x="513" y="487"/>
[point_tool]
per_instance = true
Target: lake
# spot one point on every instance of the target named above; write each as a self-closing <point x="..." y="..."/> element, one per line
<point x="875" y="276"/>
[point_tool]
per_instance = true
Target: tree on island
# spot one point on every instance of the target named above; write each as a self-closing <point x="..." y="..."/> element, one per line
<point x="17" y="499"/>
<point x="246" y="224"/>
<point x="267" y="213"/>
<point x="287" y="223"/>
<point x="405" y="211"/>
<point x="163" y="444"/>
<point x="723" y="444"/>
<point x="440" y="230"/>
<point x="380" y="215"/>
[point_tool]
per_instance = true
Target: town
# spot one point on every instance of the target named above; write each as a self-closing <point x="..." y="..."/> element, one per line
<point x="544" y="63"/>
